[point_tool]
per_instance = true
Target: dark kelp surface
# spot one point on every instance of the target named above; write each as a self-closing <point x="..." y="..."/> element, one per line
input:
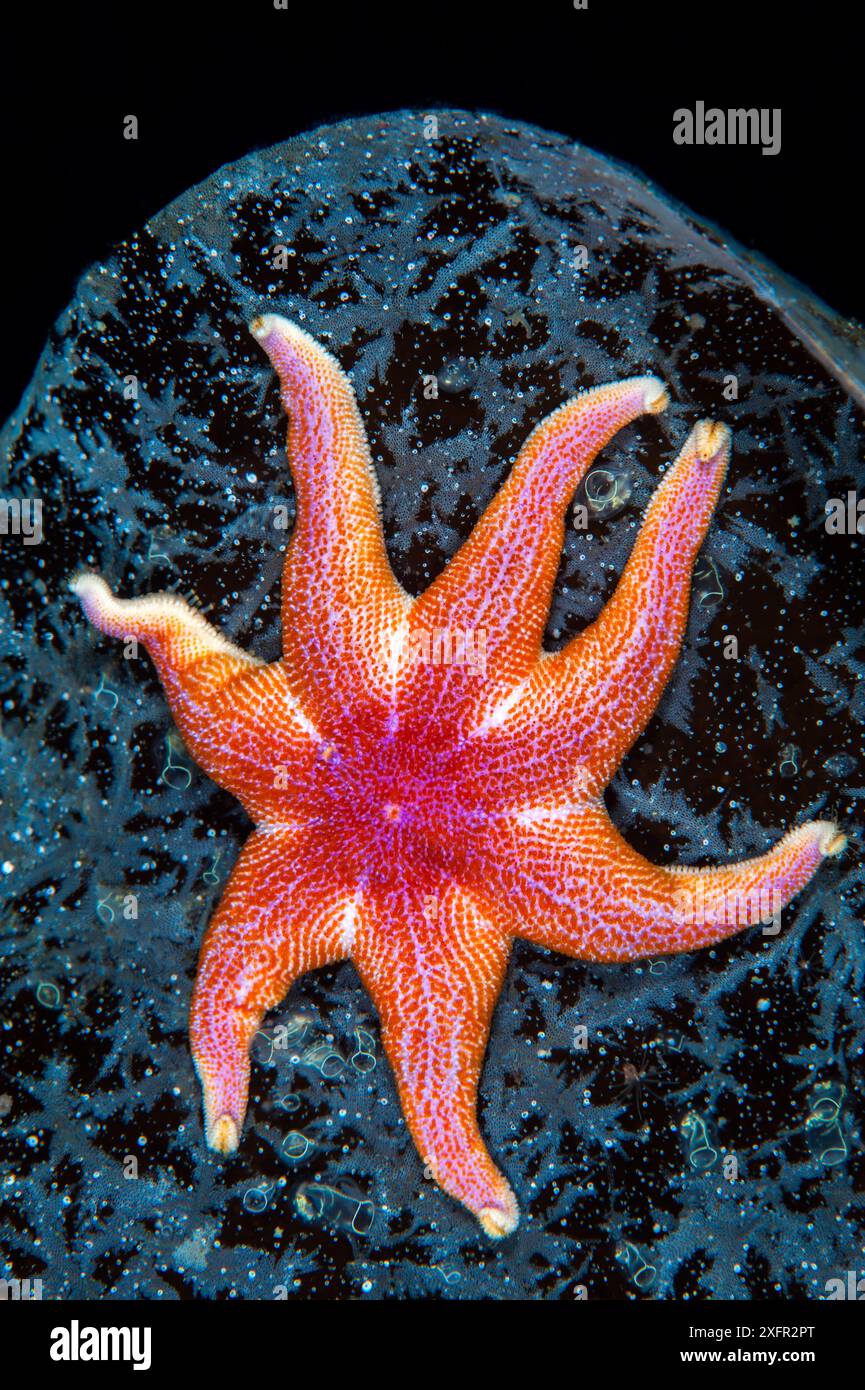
<point x="457" y="256"/>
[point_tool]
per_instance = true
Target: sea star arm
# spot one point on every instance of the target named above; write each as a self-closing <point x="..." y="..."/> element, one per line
<point x="497" y="587"/>
<point x="340" y="598"/>
<point x="583" y="707"/>
<point x="578" y="887"/>
<point x="434" y="967"/>
<point x="275" y="922"/>
<point x="239" y="719"/>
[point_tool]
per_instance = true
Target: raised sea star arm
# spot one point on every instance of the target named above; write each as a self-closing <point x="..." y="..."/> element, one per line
<point x="497" y="587"/>
<point x="578" y="887"/>
<point x="275" y="922"/>
<point x="239" y="719"/>
<point x="582" y="708"/>
<point x="434" y="965"/>
<point x="340" y="598"/>
<point x="624" y="658"/>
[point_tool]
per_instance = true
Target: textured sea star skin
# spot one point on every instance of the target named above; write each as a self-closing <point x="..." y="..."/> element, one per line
<point x="415" y="814"/>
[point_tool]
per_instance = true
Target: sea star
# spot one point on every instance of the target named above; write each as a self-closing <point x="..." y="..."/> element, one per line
<point x="425" y="781"/>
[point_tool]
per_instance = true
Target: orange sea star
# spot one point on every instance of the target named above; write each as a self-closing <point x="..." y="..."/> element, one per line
<point x="425" y="781"/>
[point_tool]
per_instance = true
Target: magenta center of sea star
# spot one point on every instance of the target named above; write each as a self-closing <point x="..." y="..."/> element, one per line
<point x="390" y="804"/>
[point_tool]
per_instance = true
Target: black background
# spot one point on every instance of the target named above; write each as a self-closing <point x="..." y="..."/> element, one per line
<point x="208" y="83"/>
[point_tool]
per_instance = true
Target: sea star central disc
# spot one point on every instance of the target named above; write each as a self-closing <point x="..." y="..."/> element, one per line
<point x="426" y="783"/>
